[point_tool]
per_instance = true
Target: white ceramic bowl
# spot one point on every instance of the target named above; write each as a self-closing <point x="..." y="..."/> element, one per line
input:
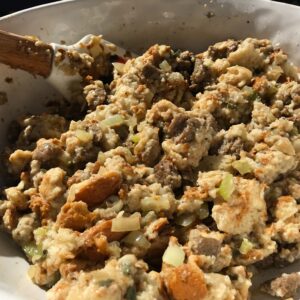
<point x="133" y="24"/>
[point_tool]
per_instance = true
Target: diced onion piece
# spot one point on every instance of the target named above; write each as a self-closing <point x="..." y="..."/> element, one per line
<point x="246" y="246"/>
<point x="124" y="224"/>
<point x="185" y="220"/>
<point x="137" y="238"/>
<point x="65" y="158"/>
<point x="83" y="135"/>
<point x="115" y="120"/>
<point x="296" y="145"/>
<point x="131" y="122"/>
<point x="101" y="157"/>
<point x="208" y="62"/>
<point x="33" y="251"/>
<point x="164" y="65"/>
<point x="135" y="214"/>
<point x="285" y="146"/>
<point x="174" y="255"/>
<point x="274" y="72"/>
<point x="135" y="138"/>
<point x="242" y="166"/>
<point x="157" y="205"/>
<point x="227" y="187"/>
<point x="119" y="67"/>
<point x="203" y="212"/>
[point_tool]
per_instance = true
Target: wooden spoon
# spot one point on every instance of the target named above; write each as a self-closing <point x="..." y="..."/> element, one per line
<point x="38" y="58"/>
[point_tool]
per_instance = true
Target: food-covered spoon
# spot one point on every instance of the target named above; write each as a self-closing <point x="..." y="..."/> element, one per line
<point x="62" y="65"/>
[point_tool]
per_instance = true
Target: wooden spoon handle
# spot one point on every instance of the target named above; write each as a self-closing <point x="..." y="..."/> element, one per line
<point x="26" y="53"/>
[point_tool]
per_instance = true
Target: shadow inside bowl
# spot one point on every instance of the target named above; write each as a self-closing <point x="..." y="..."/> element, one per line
<point x="8" y="247"/>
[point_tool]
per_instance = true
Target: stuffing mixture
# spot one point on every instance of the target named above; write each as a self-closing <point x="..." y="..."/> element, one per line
<point x="176" y="178"/>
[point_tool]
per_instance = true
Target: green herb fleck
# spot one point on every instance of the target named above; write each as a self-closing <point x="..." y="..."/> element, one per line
<point x="106" y="282"/>
<point x="294" y="131"/>
<point x="130" y="293"/>
<point x="254" y="97"/>
<point x="177" y="52"/>
<point x="125" y="267"/>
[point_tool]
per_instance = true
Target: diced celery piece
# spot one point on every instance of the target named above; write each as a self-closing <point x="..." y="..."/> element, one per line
<point x="242" y="166"/>
<point x="41" y="232"/>
<point x="135" y="138"/>
<point x="246" y="246"/>
<point x="83" y="135"/>
<point x="227" y="187"/>
<point x="33" y="251"/>
<point x="115" y="120"/>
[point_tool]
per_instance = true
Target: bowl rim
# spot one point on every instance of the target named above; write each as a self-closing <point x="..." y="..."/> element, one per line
<point x="66" y="2"/>
<point x="41" y="6"/>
